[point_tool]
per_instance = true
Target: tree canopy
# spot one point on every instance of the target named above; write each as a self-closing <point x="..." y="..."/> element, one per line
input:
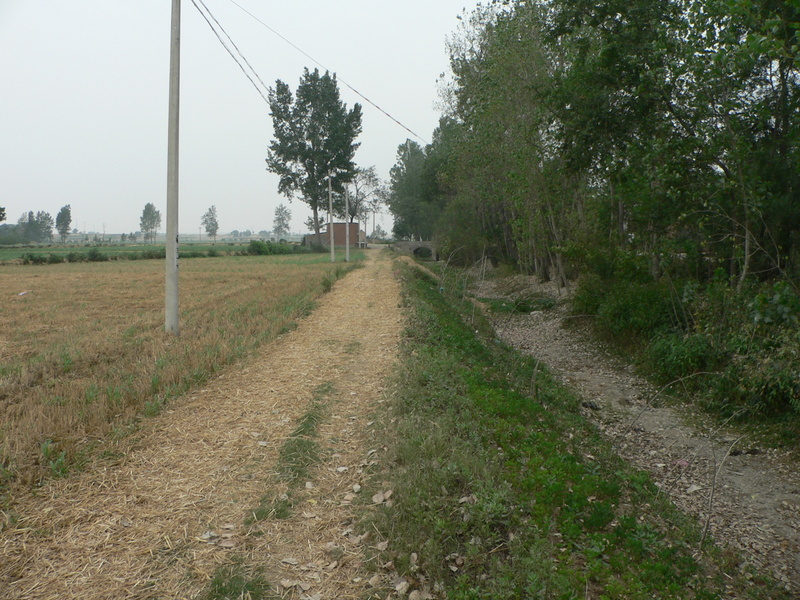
<point x="63" y="221"/>
<point x="283" y="217"/>
<point x="314" y="139"/>
<point x="149" y="222"/>
<point x="646" y="151"/>
<point x="210" y="222"/>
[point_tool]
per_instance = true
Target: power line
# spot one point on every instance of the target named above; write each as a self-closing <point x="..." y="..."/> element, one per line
<point x="233" y="56"/>
<point x="319" y="64"/>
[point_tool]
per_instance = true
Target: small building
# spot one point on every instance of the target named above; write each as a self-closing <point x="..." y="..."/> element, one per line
<point x="358" y="239"/>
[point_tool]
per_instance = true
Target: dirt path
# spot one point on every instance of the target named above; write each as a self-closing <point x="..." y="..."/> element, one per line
<point x="749" y="497"/>
<point x="160" y="518"/>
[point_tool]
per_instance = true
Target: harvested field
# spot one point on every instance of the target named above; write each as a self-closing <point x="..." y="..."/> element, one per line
<point x="83" y="349"/>
<point x="175" y="507"/>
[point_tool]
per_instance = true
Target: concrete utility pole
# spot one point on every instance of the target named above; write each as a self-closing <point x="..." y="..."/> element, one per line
<point x="346" y="224"/>
<point x="171" y="289"/>
<point x="330" y="219"/>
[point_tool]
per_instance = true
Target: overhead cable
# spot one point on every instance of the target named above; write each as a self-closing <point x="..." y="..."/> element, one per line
<point x="319" y="64"/>
<point x="263" y="87"/>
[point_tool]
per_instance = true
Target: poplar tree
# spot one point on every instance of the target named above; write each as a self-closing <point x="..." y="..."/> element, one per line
<point x="314" y="140"/>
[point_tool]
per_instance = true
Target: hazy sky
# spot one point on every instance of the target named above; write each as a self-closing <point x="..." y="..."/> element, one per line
<point x="83" y="108"/>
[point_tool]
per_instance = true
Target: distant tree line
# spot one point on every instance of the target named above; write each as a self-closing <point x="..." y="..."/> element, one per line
<point x="649" y="150"/>
<point x="31" y="228"/>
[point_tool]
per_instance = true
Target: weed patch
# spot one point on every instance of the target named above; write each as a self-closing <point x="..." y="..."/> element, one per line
<point x="232" y="582"/>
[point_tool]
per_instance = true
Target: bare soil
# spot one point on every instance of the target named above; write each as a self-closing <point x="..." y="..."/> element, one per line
<point x="747" y="497"/>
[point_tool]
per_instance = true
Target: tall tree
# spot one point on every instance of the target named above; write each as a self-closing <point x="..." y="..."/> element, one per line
<point x="314" y="140"/>
<point x="36" y="227"/>
<point x="149" y="222"/>
<point x="413" y="216"/>
<point x="280" y="225"/>
<point x="2" y="214"/>
<point x="211" y="223"/>
<point x="63" y="222"/>
<point x="365" y="194"/>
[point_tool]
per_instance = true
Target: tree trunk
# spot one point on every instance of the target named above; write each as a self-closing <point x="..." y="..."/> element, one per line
<point x="315" y="217"/>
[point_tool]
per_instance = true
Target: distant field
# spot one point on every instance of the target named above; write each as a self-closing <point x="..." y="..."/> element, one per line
<point x="15" y="253"/>
<point x="83" y="351"/>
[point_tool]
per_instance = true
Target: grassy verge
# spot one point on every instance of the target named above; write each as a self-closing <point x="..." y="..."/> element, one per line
<point x="83" y="351"/>
<point x="501" y="494"/>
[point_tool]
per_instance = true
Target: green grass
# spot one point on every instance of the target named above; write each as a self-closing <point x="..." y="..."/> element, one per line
<point x="233" y="582"/>
<point x="296" y="457"/>
<point x="504" y="495"/>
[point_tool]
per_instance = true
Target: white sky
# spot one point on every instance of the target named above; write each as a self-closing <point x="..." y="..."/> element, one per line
<point x="84" y="100"/>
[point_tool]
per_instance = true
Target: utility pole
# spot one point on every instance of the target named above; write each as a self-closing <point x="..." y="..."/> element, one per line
<point x="171" y="322"/>
<point x="346" y="224"/>
<point x="330" y="218"/>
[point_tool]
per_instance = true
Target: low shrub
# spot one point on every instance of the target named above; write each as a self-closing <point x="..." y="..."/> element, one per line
<point x="638" y="309"/>
<point x="94" y="255"/>
<point x="75" y="257"/>
<point x="33" y="259"/>
<point x="672" y="355"/>
<point x="154" y="253"/>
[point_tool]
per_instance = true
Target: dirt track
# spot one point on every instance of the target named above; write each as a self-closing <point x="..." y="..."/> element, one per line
<point x="160" y="518"/>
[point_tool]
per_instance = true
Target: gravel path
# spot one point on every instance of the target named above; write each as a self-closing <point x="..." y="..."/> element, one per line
<point x="749" y="497"/>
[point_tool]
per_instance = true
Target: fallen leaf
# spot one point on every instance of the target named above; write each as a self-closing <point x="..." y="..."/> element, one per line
<point x="290" y="561"/>
<point x="356" y="488"/>
<point x="342" y="469"/>
<point x="375" y="580"/>
<point x="693" y="488"/>
<point x="382" y="545"/>
<point x="378" y="498"/>
<point x="229" y="543"/>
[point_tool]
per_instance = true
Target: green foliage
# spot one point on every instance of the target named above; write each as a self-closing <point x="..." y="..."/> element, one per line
<point x="31" y="258"/>
<point x="94" y="255"/>
<point x="780" y="307"/>
<point x="210" y="222"/>
<point x="314" y="139"/>
<point x="283" y="218"/>
<point x="56" y="461"/>
<point x="232" y="582"/>
<point x="63" y="221"/>
<point x="673" y="355"/>
<point x="149" y="222"/>
<point x="35" y="228"/>
<point x="262" y="248"/>
<point x="504" y="495"/>
<point x="635" y="310"/>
